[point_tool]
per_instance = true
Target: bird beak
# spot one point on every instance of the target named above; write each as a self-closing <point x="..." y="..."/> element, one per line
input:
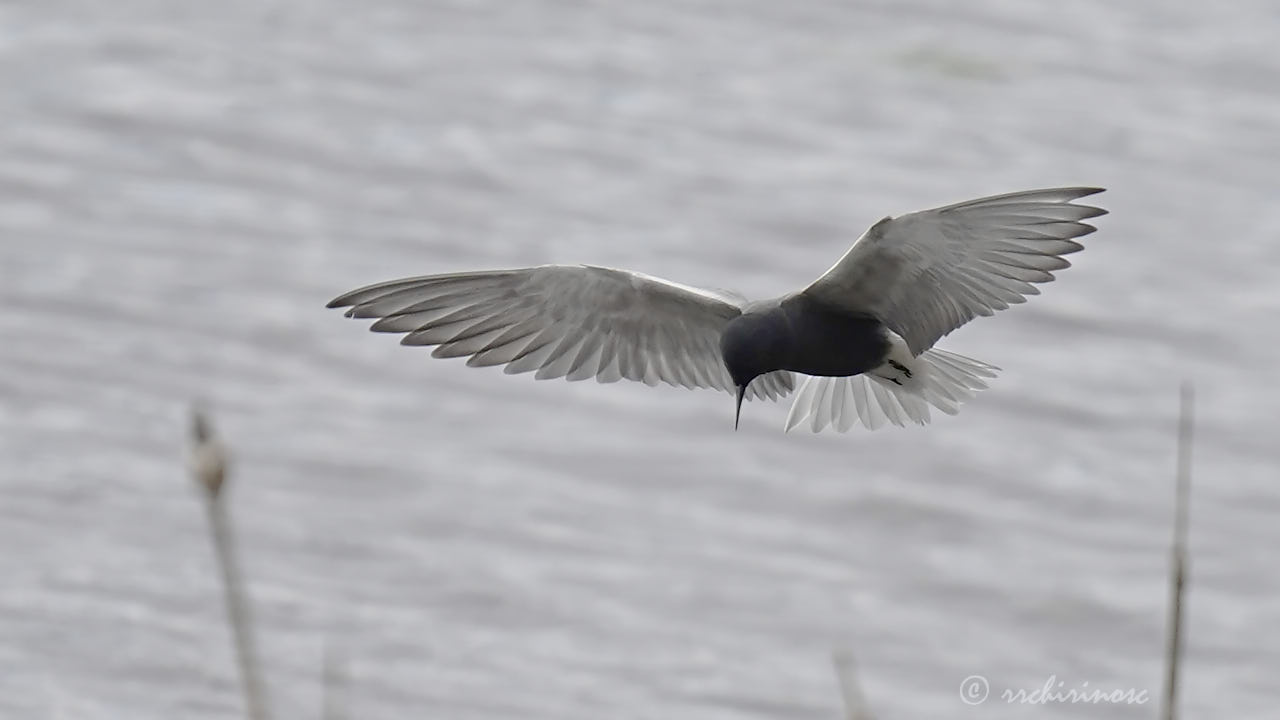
<point x="742" y="390"/>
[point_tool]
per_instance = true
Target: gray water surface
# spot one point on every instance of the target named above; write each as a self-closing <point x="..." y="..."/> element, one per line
<point x="183" y="187"/>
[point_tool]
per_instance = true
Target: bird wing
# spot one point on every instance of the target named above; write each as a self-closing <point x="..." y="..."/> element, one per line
<point x="927" y="273"/>
<point x="566" y="321"/>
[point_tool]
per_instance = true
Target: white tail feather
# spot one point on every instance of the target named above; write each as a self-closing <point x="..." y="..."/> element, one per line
<point x="899" y="391"/>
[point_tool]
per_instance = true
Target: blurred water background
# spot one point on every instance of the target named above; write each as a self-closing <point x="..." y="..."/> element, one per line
<point x="183" y="187"/>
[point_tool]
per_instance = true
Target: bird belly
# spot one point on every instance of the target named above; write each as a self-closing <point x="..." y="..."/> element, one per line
<point x="840" y="346"/>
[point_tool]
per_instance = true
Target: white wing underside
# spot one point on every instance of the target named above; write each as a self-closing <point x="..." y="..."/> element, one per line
<point x="561" y="321"/>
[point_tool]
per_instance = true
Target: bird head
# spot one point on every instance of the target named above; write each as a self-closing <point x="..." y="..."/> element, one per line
<point x="749" y="349"/>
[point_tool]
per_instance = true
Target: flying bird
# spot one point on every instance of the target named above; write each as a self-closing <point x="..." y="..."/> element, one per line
<point x="863" y="333"/>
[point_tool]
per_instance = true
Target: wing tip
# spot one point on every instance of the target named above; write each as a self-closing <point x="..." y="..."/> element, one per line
<point x="1070" y="192"/>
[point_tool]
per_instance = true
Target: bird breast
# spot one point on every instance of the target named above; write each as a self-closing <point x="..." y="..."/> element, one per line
<point x="831" y="342"/>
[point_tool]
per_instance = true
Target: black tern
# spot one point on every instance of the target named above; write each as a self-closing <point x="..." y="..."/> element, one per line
<point x="863" y="332"/>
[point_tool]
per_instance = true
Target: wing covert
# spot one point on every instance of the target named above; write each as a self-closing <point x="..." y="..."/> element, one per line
<point x="927" y="273"/>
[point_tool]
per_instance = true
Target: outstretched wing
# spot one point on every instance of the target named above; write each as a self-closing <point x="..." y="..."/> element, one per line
<point x="927" y="273"/>
<point x="575" y="322"/>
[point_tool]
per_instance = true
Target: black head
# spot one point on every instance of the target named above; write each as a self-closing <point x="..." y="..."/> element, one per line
<point x="752" y="345"/>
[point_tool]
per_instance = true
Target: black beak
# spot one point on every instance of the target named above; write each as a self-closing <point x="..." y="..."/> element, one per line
<point x="742" y="390"/>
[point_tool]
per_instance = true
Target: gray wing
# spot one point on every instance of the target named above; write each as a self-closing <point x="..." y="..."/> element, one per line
<point x="575" y="322"/>
<point x="927" y="273"/>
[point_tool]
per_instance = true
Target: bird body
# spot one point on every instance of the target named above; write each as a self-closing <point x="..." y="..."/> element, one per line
<point x="800" y="334"/>
<point x="863" y="332"/>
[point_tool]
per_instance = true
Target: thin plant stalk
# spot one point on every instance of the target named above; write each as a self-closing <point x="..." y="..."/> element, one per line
<point x="334" y="686"/>
<point x="209" y="465"/>
<point x="855" y="705"/>
<point x="1178" y="571"/>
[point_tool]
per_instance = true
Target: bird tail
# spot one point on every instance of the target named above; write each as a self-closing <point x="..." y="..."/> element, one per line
<point x="899" y="391"/>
